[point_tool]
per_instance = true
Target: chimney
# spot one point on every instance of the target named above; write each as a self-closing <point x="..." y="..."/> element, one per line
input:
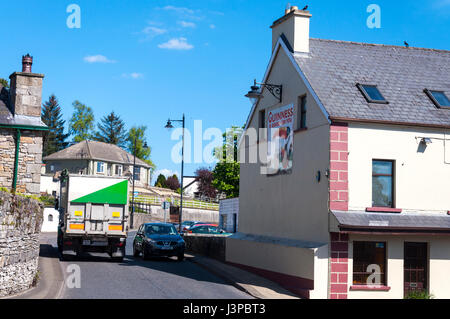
<point x="294" y="25"/>
<point x="26" y="90"/>
<point x="27" y="62"/>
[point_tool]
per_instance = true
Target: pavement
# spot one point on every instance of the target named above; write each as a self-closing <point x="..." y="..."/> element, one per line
<point x="254" y="285"/>
<point x="198" y="278"/>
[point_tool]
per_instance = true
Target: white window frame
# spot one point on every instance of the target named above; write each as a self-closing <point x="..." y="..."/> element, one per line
<point x="118" y="171"/>
<point x="102" y="165"/>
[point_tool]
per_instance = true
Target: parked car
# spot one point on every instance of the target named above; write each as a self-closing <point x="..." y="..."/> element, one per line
<point x="186" y="224"/>
<point x="207" y="229"/>
<point x="158" y="239"/>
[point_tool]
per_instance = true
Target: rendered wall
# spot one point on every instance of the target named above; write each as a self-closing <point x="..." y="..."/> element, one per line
<point x="422" y="177"/>
<point x="439" y="265"/>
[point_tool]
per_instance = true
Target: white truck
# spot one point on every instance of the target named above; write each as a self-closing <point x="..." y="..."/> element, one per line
<point x="93" y="215"/>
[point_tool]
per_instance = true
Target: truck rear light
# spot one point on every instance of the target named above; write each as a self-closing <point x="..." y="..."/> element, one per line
<point x="119" y="244"/>
<point x="115" y="227"/>
<point x="68" y="243"/>
<point x="77" y="226"/>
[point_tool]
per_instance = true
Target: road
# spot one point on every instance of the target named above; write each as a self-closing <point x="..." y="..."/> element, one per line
<point x="134" y="278"/>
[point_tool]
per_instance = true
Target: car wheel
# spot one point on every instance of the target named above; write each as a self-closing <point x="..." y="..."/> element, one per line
<point x="135" y="251"/>
<point x="180" y="257"/>
<point x="145" y="254"/>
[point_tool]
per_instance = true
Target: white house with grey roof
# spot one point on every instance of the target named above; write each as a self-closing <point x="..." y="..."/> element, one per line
<point x="98" y="158"/>
<point x="358" y="203"/>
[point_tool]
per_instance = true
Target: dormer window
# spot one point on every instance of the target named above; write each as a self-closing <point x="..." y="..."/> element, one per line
<point x="371" y="93"/>
<point x="439" y="98"/>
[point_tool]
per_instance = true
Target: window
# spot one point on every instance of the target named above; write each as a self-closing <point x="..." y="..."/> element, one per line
<point x="301" y="117"/>
<point x="383" y="184"/>
<point x="369" y="263"/>
<point x="371" y="93"/>
<point x="119" y="170"/>
<point x="137" y="173"/>
<point x="50" y="218"/>
<point x="100" y="167"/>
<point x="262" y="123"/>
<point x="439" y="98"/>
<point x="223" y="221"/>
<point x="262" y="119"/>
<point x="52" y="168"/>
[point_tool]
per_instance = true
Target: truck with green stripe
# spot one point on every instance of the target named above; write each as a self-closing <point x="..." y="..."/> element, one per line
<point x="93" y="215"/>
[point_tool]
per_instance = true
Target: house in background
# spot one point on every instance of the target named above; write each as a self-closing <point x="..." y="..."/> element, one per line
<point x="359" y="204"/>
<point x="98" y="159"/>
<point x="21" y="130"/>
<point x="229" y="214"/>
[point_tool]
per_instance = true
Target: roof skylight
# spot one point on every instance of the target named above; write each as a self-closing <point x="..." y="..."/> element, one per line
<point x="439" y="98"/>
<point x="372" y="93"/>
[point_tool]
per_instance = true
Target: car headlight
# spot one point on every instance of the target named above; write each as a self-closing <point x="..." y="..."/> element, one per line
<point x="150" y="241"/>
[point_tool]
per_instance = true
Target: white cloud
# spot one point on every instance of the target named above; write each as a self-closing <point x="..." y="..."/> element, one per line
<point x="166" y="172"/>
<point x="186" y="24"/>
<point x="212" y="26"/>
<point x="153" y="31"/>
<point x="176" y="44"/>
<point x="180" y="10"/>
<point x="133" y="75"/>
<point x="97" y="59"/>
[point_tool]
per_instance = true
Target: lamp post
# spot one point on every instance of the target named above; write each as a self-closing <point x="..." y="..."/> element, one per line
<point x="134" y="176"/>
<point x="170" y="126"/>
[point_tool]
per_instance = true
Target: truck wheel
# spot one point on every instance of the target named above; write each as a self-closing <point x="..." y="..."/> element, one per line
<point x="117" y="259"/>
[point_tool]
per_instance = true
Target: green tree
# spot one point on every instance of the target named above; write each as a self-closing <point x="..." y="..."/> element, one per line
<point x="55" y="139"/>
<point x="111" y="130"/>
<point x="226" y="178"/>
<point x="81" y="124"/>
<point x="161" y="181"/>
<point x="4" y="83"/>
<point x="136" y="135"/>
<point x="227" y="170"/>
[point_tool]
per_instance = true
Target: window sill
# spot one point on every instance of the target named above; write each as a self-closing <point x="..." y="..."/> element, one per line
<point x="383" y="210"/>
<point x="369" y="288"/>
<point x="301" y="130"/>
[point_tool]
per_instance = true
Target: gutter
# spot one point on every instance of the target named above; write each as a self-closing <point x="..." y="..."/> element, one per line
<point x="16" y="161"/>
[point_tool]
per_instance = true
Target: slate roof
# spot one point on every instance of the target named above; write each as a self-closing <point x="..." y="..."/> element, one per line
<point x="333" y="69"/>
<point x="91" y="150"/>
<point x="404" y="221"/>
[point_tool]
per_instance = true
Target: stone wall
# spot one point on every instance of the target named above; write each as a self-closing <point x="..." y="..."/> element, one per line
<point x="30" y="160"/>
<point x="20" y="224"/>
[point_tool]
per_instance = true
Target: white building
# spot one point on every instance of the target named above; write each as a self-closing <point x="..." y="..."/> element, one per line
<point x="358" y="206"/>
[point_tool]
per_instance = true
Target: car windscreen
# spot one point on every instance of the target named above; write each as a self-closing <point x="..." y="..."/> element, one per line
<point x="161" y="230"/>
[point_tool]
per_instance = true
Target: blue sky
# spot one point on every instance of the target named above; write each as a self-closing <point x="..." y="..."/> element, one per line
<point x="151" y="60"/>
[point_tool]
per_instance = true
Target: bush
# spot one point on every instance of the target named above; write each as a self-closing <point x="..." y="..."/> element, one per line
<point x="421" y="294"/>
<point x="48" y="200"/>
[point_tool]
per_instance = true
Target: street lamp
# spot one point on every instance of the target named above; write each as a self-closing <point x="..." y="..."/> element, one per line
<point x="170" y="126"/>
<point x="134" y="176"/>
<point x="256" y="91"/>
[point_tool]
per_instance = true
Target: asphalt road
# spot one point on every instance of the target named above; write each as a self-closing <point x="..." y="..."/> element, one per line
<point x="134" y="278"/>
